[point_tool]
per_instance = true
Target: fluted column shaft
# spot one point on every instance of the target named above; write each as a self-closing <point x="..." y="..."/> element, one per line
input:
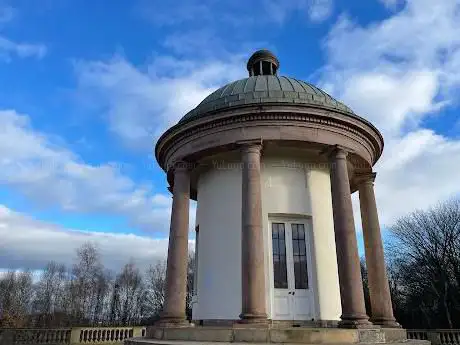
<point x="379" y="290"/>
<point x="351" y="288"/>
<point x="252" y="249"/>
<point x="176" y="274"/>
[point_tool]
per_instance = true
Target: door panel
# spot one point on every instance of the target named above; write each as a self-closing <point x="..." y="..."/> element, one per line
<point x="282" y="305"/>
<point x="279" y="256"/>
<point x="302" y="307"/>
<point x="299" y="253"/>
<point x="282" y="301"/>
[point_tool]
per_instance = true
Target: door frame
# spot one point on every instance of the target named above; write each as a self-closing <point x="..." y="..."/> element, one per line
<point x="308" y="224"/>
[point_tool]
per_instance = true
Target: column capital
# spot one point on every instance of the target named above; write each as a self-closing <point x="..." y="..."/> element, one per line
<point x="182" y="166"/>
<point x="253" y="145"/>
<point x="337" y="152"/>
<point x="365" y="178"/>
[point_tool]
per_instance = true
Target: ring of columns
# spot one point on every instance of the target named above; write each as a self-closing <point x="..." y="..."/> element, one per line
<point x="349" y="144"/>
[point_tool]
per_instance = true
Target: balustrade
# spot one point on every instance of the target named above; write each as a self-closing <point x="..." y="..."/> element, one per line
<point x="436" y="336"/>
<point x="116" y="335"/>
<point x="70" y="336"/>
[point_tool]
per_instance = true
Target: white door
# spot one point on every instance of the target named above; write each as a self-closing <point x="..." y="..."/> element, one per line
<point x="291" y="271"/>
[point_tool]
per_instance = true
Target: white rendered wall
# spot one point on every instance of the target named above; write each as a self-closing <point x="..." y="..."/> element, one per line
<point x="294" y="188"/>
<point x="327" y="277"/>
<point x="289" y="188"/>
<point x="219" y="252"/>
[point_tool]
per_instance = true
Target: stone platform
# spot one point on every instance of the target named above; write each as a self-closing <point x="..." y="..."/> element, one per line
<point x="298" y="335"/>
<point x="176" y="342"/>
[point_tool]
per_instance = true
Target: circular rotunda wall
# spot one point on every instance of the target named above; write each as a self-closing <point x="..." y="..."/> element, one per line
<point x="297" y="125"/>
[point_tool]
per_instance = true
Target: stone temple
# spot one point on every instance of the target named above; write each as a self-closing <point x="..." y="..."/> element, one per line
<point x="272" y="162"/>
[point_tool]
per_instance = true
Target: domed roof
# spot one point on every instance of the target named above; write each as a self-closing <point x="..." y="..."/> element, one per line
<point x="273" y="109"/>
<point x="264" y="89"/>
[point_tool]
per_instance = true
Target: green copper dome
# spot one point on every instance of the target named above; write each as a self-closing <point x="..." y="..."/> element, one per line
<point x="264" y="86"/>
<point x="264" y="89"/>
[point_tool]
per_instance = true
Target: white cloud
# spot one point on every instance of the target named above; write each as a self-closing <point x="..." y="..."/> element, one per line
<point x="29" y="243"/>
<point x="22" y="50"/>
<point x="319" y="10"/>
<point x="392" y="4"/>
<point x="417" y="170"/>
<point x="396" y="73"/>
<point x="160" y="13"/>
<point x="51" y="175"/>
<point x="140" y="103"/>
<point x="316" y="10"/>
<point x="10" y="48"/>
<point x="401" y="98"/>
<point x="233" y="15"/>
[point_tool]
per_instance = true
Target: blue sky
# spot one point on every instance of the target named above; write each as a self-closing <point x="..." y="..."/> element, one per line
<point x="88" y="86"/>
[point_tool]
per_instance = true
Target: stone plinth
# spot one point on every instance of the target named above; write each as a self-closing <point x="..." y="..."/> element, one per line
<point x="173" y="342"/>
<point x="268" y="335"/>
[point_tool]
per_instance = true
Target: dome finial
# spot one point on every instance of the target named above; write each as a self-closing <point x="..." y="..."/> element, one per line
<point x="263" y="62"/>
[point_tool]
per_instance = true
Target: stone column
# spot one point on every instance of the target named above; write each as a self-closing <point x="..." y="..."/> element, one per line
<point x="252" y="248"/>
<point x="176" y="273"/>
<point x="351" y="288"/>
<point x="379" y="290"/>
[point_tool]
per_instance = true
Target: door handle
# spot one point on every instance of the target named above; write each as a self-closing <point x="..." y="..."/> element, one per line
<point x="293" y="293"/>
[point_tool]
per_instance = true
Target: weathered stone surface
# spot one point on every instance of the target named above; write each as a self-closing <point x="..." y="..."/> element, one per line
<point x="251" y="335"/>
<point x="371" y="336"/>
<point x="276" y="335"/>
<point x="351" y="290"/>
<point x="143" y="341"/>
<point x="379" y="290"/>
<point x="252" y="253"/>
<point x="244" y="333"/>
<point x="313" y="336"/>
<point x="176" y="273"/>
<point x="394" y="334"/>
<point x="199" y="334"/>
<point x="154" y="332"/>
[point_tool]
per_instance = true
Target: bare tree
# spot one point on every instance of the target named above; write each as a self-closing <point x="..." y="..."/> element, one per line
<point x="364" y="276"/>
<point x="130" y="287"/>
<point x="87" y="294"/>
<point x="425" y="266"/>
<point x="49" y="300"/>
<point x="155" y="282"/>
<point x="88" y="273"/>
<point x="190" y="278"/>
<point x="156" y="285"/>
<point x="15" y="298"/>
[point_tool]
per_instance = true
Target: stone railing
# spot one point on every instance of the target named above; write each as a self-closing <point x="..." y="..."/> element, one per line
<point x="436" y="336"/>
<point x="70" y="336"/>
<point x="35" y="336"/>
<point x="116" y="336"/>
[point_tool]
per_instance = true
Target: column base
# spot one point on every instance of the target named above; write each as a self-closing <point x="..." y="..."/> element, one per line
<point x="175" y="322"/>
<point x="253" y="320"/>
<point x="385" y="322"/>
<point x="355" y="321"/>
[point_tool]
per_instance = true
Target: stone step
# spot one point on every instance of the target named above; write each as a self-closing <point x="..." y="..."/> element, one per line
<point x="143" y="341"/>
<point x="277" y="335"/>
